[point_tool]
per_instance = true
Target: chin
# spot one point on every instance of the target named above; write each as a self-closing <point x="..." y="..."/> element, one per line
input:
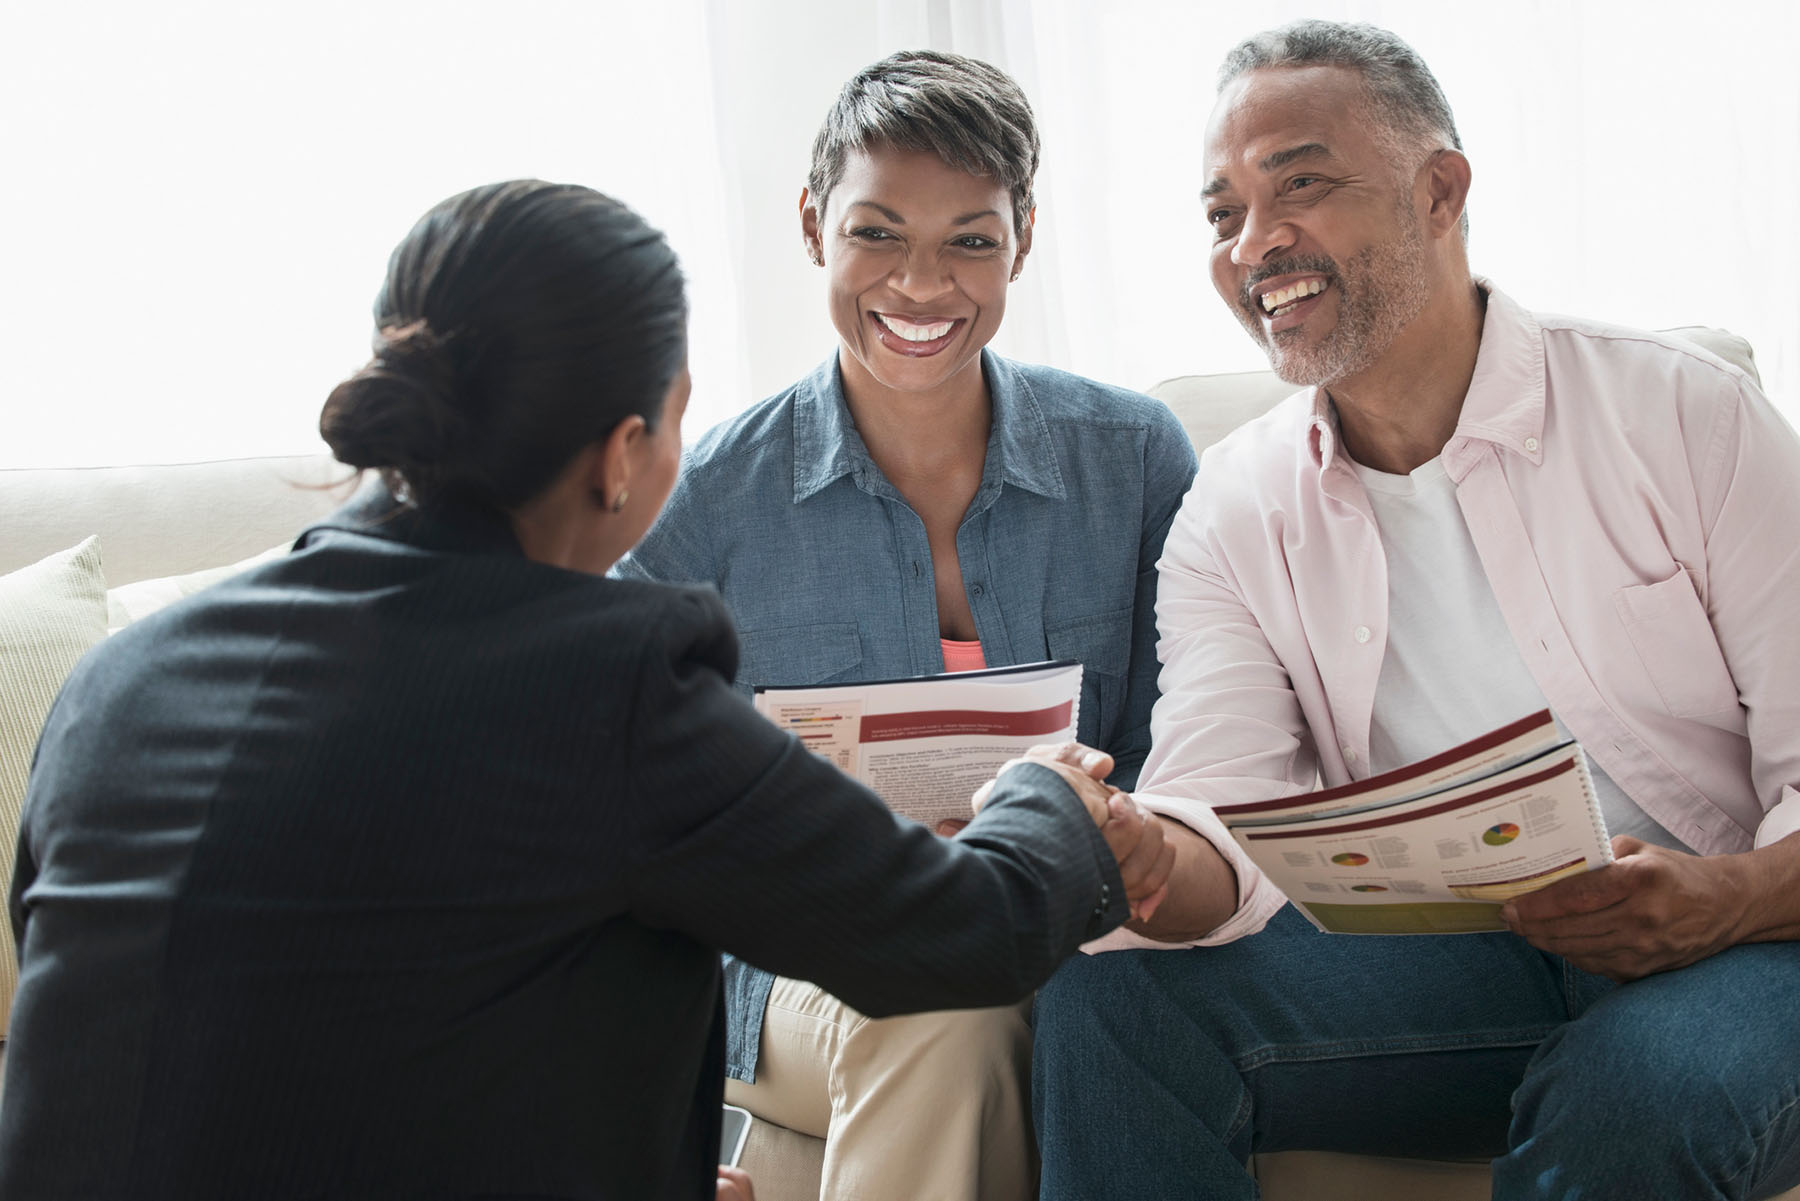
<point x="1301" y="374"/>
<point x="923" y="375"/>
<point x="1303" y="367"/>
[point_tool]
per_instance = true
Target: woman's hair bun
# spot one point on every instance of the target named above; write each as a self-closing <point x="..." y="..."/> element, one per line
<point x="399" y="413"/>
<point x="518" y="322"/>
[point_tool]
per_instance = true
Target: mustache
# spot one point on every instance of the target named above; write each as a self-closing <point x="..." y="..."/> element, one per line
<point x="1318" y="264"/>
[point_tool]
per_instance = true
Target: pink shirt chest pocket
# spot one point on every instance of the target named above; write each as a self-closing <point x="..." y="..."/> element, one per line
<point x="1674" y="640"/>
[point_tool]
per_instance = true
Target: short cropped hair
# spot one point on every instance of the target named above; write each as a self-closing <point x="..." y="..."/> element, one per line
<point x="967" y="112"/>
<point x="1403" y="93"/>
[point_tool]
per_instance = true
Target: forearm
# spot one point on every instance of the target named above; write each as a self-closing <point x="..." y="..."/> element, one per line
<point x="1771" y="878"/>
<point x="1203" y="890"/>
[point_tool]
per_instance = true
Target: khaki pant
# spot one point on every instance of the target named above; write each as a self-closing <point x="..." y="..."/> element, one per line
<point x="930" y="1105"/>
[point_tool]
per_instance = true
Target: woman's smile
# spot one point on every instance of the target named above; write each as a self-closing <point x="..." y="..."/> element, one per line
<point x="913" y="337"/>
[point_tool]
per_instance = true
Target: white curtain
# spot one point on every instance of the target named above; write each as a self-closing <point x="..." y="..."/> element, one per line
<point x="200" y="196"/>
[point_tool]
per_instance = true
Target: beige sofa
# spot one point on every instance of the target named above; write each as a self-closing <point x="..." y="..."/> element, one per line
<point x="164" y="531"/>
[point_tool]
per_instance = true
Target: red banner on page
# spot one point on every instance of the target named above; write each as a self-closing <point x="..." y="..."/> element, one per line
<point x="941" y="723"/>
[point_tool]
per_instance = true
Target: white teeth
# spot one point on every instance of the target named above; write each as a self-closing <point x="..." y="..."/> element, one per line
<point x="1274" y="300"/>
<point x="913" y="332"/>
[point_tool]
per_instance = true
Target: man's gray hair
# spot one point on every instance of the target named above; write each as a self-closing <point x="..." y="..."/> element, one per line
<point x="968" y="113"/>
<point x="1403" y="93"/>
<point x="1404" y="96"/>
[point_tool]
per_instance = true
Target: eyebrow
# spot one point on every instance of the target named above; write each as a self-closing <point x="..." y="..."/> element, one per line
<point x="897" y="219"/>
<point x="1273" y="162"/>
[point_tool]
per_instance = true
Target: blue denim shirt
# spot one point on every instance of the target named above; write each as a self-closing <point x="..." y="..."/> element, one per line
<point x="827" y="571"/>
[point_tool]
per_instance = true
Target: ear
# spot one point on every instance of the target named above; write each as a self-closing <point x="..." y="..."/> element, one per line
<point x="1018" y="264"/>
<point x="1445" y="177"/>
<point x="809" y="229"/>
<point x="609" y="470"/>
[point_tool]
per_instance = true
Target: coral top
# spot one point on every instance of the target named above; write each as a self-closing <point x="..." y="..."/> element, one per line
<point x="962" y="656"/>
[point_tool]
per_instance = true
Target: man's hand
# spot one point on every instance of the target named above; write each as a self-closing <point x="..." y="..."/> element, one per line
<point x="1650" y="910"/>
<point x="734" y="1185"/>
<point x="1146" y="858"/>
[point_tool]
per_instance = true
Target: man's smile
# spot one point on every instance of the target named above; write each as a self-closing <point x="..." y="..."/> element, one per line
<point x="1274" y="302"/>
<point x="1283" y="298"/>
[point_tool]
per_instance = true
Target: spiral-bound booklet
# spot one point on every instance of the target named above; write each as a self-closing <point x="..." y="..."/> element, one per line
<point x="924" y="744"/>
<point x="1438" y="846"/>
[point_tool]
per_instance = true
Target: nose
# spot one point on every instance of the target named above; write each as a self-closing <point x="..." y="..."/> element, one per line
<point x="1261" y="236"/>
<point x="921" y="276"/>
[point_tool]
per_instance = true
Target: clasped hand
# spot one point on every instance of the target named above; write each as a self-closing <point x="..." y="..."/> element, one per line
<point x="1132" y="833"/>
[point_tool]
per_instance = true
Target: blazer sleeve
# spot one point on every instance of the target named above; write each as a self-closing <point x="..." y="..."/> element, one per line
<point x="755" y="845"/>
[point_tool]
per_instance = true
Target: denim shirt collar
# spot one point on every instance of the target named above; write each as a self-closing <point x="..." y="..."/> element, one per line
<point x="827" y="446"/>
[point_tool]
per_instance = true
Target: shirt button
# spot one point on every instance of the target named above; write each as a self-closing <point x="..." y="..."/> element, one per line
<point x="1531" y="444"/>
<point x="1361" y="634"/>
<point x="1349" y="752"/>
<point x="975" y="588"/>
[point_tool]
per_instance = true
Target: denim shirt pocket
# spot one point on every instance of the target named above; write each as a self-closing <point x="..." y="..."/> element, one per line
<point x="805" y="654"/>
<point x="1674" y="640"/>
<point x="1102" y="643"/>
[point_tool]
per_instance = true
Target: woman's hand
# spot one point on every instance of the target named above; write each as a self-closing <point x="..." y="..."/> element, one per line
<point x="1132" y="833"/>
<point x="734" y="1185"/>
<point x="1082" y="768"/>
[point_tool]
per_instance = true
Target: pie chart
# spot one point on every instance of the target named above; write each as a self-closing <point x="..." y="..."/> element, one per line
<point x="1500" y="835"/>
<point x="1349" y="859"/>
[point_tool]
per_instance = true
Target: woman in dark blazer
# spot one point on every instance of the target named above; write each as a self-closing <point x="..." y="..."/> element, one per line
<point x="399" y="867"/>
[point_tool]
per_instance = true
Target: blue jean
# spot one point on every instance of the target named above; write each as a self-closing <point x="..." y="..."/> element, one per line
<point x="1158" y="1073"/>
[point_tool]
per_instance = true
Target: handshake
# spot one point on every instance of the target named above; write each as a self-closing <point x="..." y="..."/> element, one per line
<point x="1132" y="833"/>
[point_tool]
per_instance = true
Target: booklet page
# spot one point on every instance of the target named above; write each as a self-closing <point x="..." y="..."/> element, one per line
<point x="1438" y="847"/>
<point x="925" y="744"/>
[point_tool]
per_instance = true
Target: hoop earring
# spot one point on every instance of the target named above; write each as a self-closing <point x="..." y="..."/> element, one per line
<point x="618" y="505"/>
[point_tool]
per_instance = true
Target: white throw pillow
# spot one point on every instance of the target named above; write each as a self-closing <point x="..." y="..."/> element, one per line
<point x="50" y="614"/>
<point x="135" y="601"/>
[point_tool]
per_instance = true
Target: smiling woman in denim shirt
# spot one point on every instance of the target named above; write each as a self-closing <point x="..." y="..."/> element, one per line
<point x="919" y="504"/>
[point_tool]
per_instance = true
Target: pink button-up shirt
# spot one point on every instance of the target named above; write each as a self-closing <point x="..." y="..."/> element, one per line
<point x="1635" y="503"/>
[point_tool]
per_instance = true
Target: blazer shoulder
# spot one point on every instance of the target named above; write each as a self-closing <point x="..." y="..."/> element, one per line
<point x="690" y="626"/>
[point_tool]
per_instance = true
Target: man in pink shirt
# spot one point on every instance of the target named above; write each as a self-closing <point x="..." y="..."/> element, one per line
<point x="1471" y="512"/>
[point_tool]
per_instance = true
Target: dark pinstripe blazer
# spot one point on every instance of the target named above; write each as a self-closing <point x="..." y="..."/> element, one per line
<point x="399" y="867"/>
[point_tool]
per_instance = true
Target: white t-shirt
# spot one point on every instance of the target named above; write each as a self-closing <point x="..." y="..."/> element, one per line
<point x="1442" y="611"/>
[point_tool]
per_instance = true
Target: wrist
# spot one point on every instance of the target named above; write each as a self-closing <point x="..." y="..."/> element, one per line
<point x="1765" y="885"/>
<point x="1202" y="894"/>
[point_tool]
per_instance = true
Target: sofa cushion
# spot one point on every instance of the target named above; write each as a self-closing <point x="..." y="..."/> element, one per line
<point x="50" y="614"/>
<point x="1211" y="406"/>
<point x="140" y="598"/>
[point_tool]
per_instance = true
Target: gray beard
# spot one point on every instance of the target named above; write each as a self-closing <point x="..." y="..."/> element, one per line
<point x="1380" y="291"/>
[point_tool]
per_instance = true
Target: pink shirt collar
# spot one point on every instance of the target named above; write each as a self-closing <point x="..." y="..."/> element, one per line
<point x="1505" y="404"/>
